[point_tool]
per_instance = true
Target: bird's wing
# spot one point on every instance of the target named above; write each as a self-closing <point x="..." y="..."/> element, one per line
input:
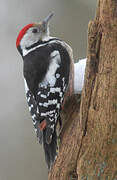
<point x="34" y="111"/>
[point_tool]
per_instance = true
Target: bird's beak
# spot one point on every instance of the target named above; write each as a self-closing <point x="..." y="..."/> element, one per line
<point x="46" y="21"/>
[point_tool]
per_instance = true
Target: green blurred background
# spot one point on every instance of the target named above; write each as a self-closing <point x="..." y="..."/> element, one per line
<point x="21" y="157"/>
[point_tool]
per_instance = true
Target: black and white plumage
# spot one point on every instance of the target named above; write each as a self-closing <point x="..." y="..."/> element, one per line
<point x="46" y="69"/>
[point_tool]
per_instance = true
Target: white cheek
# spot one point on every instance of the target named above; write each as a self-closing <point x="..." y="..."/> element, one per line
<point x="28" y="40"/>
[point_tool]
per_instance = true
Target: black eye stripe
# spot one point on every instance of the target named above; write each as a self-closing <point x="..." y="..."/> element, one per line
<point x="34" y="30"/>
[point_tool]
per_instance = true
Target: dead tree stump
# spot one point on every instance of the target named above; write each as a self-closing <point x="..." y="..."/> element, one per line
<point x="88" y="147"/>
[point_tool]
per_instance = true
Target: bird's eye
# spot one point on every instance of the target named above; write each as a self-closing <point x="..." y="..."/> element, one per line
<point x="34" y="30"/>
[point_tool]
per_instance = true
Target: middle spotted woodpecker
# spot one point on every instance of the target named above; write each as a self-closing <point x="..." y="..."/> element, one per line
<point x="48" y="75"/>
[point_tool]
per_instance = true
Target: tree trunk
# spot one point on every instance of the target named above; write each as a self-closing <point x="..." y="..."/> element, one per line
<point x="88" y="147"/>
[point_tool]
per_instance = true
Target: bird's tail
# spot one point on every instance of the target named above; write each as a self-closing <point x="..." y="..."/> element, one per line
<point x="50" y="147"/>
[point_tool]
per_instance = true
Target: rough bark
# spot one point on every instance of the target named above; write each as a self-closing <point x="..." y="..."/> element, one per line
<point x="88" y="147"/>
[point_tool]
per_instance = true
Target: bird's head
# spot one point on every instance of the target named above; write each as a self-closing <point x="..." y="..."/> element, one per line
<point x="33" y="33"/>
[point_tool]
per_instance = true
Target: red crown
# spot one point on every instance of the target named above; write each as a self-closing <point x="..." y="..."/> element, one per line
<point x="21" y="34"/>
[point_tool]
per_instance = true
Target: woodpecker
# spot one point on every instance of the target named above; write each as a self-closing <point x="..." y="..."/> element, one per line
<point x="48" y="75"/>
